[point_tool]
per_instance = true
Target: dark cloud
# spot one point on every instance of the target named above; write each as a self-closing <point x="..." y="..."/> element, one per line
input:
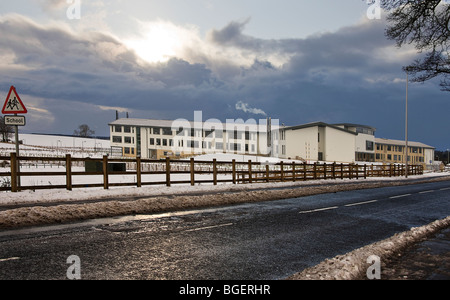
<point x="351" y="75"/>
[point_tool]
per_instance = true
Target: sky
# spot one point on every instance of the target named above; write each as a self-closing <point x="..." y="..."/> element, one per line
<point x="77" y="61"/>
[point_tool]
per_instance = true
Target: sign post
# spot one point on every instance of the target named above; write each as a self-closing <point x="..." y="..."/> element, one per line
<point x="14" y="105"/>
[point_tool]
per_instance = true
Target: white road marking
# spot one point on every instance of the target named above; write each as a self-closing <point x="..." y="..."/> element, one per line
<point x="320" y="209"/>
<point x="399" y="196"/>
<point x="425" y="192"/>
<point x="9" y="259"/>
<point x="361" y="203"/>
<point x="445" y="189"/>
<point x="209" y="227"/>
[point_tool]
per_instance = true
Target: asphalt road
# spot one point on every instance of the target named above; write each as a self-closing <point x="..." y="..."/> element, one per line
<point x="269" y="240"/>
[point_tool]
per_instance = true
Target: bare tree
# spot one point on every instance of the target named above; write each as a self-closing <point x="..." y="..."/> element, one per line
<point x="5" y="130"/>
<point x="83" y="131"/>
<point x="426" y="24"/>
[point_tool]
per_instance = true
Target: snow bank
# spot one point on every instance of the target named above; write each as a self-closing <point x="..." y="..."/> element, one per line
<point x="353" y="265"/>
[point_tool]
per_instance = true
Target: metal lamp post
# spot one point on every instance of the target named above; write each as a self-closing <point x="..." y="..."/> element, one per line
<point x="406" y="126"/>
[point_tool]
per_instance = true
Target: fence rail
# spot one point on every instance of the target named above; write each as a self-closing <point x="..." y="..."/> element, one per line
<point x="218" y="171"/>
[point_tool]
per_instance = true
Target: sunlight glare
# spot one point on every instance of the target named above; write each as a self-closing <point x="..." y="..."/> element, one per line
<point x="159" y="42"/>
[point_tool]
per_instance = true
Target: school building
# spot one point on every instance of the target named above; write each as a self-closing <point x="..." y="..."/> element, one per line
<point x="318" y="141"/>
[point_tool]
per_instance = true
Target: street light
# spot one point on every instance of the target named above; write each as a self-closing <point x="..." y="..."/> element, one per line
<point x="406" y="126"/>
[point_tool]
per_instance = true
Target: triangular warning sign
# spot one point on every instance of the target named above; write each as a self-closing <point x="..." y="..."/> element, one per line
<point x="13" y="104"/>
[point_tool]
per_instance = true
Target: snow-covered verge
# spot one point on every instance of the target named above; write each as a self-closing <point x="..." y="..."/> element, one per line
<point x="353" y="265"/>
<point x="83" y="194"/>
<point x="165" y="199"/>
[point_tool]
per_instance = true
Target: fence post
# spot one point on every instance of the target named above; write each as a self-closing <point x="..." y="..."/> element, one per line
<point x="365" y="171"/>
<point x="233" y="167"/>
<point x="68" y="172"/>
<point x="215" y="171"/>
<point x="192" y="172"/>
<point x="315" y="171"/>
<point x="105" y="172"/>
<point x="281" y="170"/>
<point x="293" y="171"/>
<point x="250" y="171"/>
<point x="167" y="171"/>
<point x="342" y="171"/>
<point x="304" y="171"/>
<point x="333" y="170"/>
<point x="13" y="172"/>
<point x="138" y="171"/>
<point x="324" y="171"/>
<point x="267" y="173"/>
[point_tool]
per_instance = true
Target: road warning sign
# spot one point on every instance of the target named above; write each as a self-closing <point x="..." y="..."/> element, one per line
<point x="13" y="104"/>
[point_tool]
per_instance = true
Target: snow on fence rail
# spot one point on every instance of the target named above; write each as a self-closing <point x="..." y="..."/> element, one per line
<point x="139" y="172"/>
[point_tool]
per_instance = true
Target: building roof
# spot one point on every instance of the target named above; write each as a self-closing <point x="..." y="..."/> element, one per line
<point x="181" y="122"/>
<point x="355" y="125"/>
<point x="401" y="143"/>
<point x="318" y="124"/>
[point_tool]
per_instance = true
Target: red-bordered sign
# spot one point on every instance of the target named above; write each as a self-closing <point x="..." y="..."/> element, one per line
<point x="13" y="104"/>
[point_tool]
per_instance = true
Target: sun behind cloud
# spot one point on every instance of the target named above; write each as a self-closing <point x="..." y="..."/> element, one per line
<point x="158" y="41"/>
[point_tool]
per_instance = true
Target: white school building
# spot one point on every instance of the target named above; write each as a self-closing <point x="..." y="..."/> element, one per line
<point x="318" y="141"/>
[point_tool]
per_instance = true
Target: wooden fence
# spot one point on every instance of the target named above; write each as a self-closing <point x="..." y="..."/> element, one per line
<point x="218" y="171"/>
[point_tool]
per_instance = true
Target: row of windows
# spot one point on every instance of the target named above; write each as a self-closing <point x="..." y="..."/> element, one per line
<point x="399" y="158"/>
<point x="247" y="135"/>
<point x="393" y="148"/>
<point x="126" y="139"/>
<point x="126" y="129"/>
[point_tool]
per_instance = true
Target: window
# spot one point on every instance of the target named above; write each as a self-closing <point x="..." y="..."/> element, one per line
<point x="152" y="141"/>
<point x="219" y="134"/>
<point x="118" y="128"/>
<point x="164" y="142"/>
<point x="117" y="139"/>
<point x="156" y="130"/>
<point x="128" y="139"/>
<point x="167" y="131"/>
<point x="219" y="146"/>
<point x="369" y="145"/>
<point x="208" y="133"/>
<point x="389" y="157"/>
<point x="127" y="129"/>
<point x="158" y="142"/>
<point x="127" y="150"/>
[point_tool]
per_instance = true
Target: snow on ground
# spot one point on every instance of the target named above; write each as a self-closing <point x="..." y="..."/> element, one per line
<point x="354" y="265"/>
<point x="42" y="196"/>
<point x="54" y="145"/>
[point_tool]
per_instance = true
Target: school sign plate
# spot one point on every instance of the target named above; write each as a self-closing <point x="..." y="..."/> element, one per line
<point x="15" y="120"/>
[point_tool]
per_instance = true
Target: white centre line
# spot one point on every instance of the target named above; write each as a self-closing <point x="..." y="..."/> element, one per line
<point x="361" y="203"/>
<point x="209" y="227"/>
<point x="445" y="189"/>
<point x="320" y="209"/>
<point x="425" y="192"/>
<point x="399" y="196"/>
<point x="9" y="259"/>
